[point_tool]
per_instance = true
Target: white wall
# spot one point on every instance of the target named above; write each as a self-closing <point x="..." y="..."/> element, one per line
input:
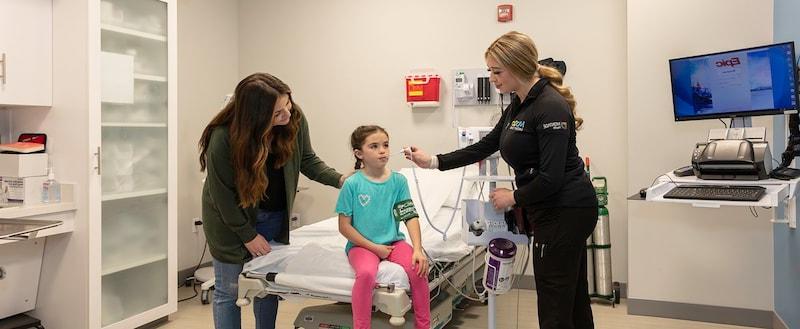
<point x="208" y="68"/>
<point x="678" y="253"/>
<point x="63" y="297"/>
<point x="345" y="61"/>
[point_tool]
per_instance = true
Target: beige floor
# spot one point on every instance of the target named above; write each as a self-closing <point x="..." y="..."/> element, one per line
<point x="516" y="310"/>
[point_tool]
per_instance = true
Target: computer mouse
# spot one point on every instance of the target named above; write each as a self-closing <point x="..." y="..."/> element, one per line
<point x="643" y="193"/>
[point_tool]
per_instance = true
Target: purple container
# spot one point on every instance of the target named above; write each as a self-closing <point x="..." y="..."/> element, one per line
<point x="502" y="248"/>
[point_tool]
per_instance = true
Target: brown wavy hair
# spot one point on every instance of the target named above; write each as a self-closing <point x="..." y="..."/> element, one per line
<point x="251" y="134"/>
<point x="517" y="53"/>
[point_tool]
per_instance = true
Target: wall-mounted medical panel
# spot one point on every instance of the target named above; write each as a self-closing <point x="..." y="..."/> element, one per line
<point x="471" y="87"/>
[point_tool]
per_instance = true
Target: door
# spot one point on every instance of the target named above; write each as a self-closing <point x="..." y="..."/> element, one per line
<point x="136" y="163"/>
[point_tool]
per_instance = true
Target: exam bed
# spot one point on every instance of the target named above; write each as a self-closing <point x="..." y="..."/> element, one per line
<point x="315" y="265"/>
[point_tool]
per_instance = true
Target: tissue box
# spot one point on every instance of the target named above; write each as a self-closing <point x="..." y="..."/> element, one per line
<point x="25" y="189"/>
<point x="23" y="165"/>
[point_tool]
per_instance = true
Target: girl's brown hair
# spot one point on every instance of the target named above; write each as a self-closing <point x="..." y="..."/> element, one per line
<point x="251" y="134"/>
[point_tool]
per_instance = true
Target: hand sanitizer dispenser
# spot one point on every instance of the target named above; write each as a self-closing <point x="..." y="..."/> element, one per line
<point x="51" y="189"/>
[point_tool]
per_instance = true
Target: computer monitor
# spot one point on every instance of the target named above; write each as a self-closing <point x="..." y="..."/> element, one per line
<point x="745" y="82"/>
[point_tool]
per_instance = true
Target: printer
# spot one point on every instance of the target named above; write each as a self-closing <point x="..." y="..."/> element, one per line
<point x="732" y="159"/>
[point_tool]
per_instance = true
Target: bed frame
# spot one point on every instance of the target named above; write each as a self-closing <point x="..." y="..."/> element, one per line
<point x="454" y="278"/>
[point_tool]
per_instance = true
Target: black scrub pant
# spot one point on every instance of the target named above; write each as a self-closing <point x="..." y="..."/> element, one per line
<point x="559" y="266"/>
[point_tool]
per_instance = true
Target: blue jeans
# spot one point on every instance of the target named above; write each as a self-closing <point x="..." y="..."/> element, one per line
<point x="226" y="314"/>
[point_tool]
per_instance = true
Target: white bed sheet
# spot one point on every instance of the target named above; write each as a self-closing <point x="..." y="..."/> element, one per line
<point x="316" y="261"/>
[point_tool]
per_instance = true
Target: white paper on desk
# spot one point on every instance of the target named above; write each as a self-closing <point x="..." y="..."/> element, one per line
<point x="117" y="78"/>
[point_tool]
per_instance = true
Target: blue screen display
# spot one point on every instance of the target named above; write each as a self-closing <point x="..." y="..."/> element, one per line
<point x="746" y="82"/>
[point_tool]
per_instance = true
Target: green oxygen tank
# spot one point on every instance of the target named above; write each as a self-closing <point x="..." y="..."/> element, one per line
<point x="600" y="281"/>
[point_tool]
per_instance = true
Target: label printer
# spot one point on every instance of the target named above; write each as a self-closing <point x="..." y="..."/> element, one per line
<point x="733" y="154"/>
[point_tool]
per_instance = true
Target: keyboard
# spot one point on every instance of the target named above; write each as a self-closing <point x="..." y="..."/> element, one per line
<point x="717" y="192"/>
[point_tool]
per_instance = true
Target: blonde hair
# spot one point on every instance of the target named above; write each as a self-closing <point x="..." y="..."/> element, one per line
<point x="517" y="53"/>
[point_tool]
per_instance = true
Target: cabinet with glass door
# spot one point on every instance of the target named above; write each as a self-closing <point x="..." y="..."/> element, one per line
<point x="136" y="163"/>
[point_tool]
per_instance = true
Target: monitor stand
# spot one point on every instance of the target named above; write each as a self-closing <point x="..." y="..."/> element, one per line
<point x="740" y="128"/>
<point x="741" y="122"/>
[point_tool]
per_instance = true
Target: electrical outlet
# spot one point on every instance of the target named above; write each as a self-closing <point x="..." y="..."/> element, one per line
<point x="195" y="222"/>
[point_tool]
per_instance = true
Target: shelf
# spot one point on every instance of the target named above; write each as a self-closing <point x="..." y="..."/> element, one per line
<point x="116" y="268"/>
<point x="778" y="192"/>
<point x="22" y="210"/>
<point x="133" y="32"/>
<point x="134" y="125"/>
<point x="772" y="198"/>
<point x="148" y="77"/>
<point x="130" y="195"/>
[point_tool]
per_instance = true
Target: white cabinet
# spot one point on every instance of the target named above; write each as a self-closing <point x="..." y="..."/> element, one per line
<point x="26" y="52"/>
<point x="132" y="193"/>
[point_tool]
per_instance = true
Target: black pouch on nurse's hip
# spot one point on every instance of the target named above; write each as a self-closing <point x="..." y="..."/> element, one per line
<point x="516" y="220"/>
<point x="524" y="177"/>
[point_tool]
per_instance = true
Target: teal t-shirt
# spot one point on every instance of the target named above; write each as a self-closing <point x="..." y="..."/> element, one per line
<point x="376" y="208"/>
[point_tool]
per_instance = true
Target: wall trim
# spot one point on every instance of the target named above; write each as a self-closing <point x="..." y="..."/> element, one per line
<point x="526" y="282"/>
<point x="777" y="322"/>
<point x="704" y="313"/>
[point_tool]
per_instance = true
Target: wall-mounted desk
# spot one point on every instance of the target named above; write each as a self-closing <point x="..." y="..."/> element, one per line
<point x="778" y="192"/>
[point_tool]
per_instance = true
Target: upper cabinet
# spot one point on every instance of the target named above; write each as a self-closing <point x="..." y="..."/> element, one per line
<point x="26" y="52"/>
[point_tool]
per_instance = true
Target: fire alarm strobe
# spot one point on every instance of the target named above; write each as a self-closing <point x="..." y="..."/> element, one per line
<point x="505" y="13"/>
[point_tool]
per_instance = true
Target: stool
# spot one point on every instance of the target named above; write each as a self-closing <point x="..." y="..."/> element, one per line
<point x="20" y="321"/>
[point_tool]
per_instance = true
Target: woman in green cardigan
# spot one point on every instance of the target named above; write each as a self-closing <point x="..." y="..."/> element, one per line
<point x="253" y="152"/>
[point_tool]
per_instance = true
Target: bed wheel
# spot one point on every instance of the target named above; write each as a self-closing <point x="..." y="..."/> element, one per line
<point x="204" y="297"/>
<point x="242" y="302"/>
<point x="397" y="321"/>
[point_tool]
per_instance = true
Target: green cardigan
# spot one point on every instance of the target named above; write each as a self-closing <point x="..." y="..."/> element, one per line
<point x="227" y="226"/>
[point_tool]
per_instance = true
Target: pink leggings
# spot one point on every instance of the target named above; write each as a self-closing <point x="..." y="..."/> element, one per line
<point x="365" y="264"/>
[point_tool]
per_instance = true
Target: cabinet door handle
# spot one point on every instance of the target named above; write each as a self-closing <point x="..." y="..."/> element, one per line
<point x="99" y="161"/>
<point x="3" y="68"/>
<point x="2" y="273"/>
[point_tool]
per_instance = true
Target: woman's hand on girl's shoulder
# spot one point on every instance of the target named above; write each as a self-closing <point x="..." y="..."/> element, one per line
<point x="344" y="178"/>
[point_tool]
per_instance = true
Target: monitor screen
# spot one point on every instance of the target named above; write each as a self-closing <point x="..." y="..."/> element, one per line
<point x="744" y="82"/>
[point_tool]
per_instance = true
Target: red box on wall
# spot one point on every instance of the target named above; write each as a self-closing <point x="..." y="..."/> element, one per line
<point x="505" y="13"/>
<point x="422" y="90"/>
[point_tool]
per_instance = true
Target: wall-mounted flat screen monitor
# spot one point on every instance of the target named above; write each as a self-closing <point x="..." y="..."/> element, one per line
<point x="745" y="82"/>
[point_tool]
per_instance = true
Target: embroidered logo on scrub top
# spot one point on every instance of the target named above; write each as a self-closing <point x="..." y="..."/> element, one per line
<point x="517" y="125"/>
<point x="363" y="199"/>
<point x="557" y="125"/>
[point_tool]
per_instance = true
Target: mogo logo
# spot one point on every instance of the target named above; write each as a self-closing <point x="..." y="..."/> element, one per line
<point x="728" y="62"/>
